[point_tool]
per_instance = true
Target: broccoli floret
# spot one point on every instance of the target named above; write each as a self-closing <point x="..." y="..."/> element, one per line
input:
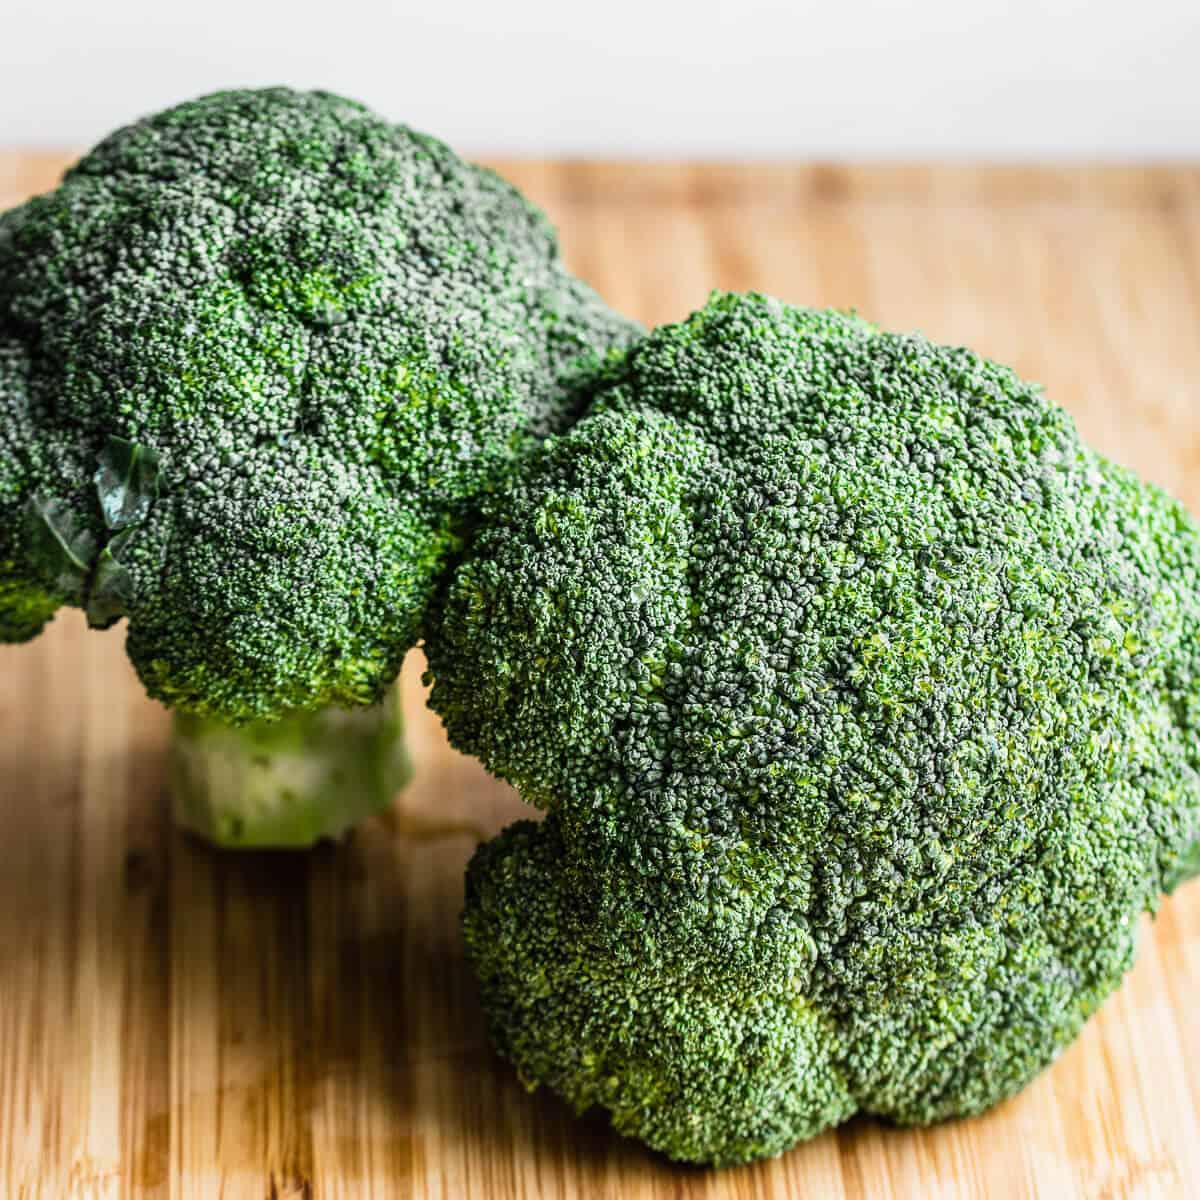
<point x="864" y="701"/>
<point x="706" y="1068"/>
<point x="24" y="607"/>
<point x="331" y="332"/>
<point x="259" y="354"/>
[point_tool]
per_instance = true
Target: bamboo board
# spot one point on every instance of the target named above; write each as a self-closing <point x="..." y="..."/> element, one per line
<point x="180" y="1024"/>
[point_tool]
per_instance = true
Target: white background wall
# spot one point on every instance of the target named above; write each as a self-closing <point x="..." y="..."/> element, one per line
<point x="840" y="78"/>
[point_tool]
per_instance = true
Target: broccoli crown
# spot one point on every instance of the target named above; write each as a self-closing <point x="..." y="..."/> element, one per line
<point x="25" y="606"/>
<point x="863" y="700"/>
<point x="258" y="354"/>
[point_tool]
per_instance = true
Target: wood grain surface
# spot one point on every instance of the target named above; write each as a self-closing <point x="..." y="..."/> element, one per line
<point x="180" y="1023"/>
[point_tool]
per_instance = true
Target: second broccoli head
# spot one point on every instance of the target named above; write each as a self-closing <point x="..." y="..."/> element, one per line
<point x="863" y="700"/>
<point x="258" y="354"/>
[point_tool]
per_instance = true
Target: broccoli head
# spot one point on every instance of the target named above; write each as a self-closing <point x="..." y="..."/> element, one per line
<point x="258" y="355"/>
<point x="863" y="699"/>
<point x="25" y="606"/>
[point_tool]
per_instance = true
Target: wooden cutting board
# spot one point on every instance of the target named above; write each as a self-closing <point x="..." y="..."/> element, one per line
<point x="180" y="1023"/>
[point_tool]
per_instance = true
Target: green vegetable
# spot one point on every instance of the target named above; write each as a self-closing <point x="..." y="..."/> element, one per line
<point x="259" y="355"/>
<point x="287" y="782"/>
<point x="863" y="699"/>
<point x="316" y="336"/>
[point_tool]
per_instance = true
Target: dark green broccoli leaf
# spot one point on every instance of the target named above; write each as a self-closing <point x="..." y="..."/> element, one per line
<point x="126" y="483"/>
<point x="60" y="546"/>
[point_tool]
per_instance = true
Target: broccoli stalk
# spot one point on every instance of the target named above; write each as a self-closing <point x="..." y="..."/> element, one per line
<point x="1186" y="867"/>
<point x="288" y="782"/>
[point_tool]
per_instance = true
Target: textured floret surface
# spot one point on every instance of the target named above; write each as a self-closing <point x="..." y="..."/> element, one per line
<point x="862" y="698"/>
<point x="329" y="333"/>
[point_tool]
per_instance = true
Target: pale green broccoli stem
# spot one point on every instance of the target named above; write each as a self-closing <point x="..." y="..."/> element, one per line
<point x="1188" y="867"/>
<point x="290" y="782"/>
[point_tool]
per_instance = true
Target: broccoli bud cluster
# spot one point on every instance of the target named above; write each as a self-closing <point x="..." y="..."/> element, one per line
<point x="328" y="332"/>
<point x="862" y="698"/>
